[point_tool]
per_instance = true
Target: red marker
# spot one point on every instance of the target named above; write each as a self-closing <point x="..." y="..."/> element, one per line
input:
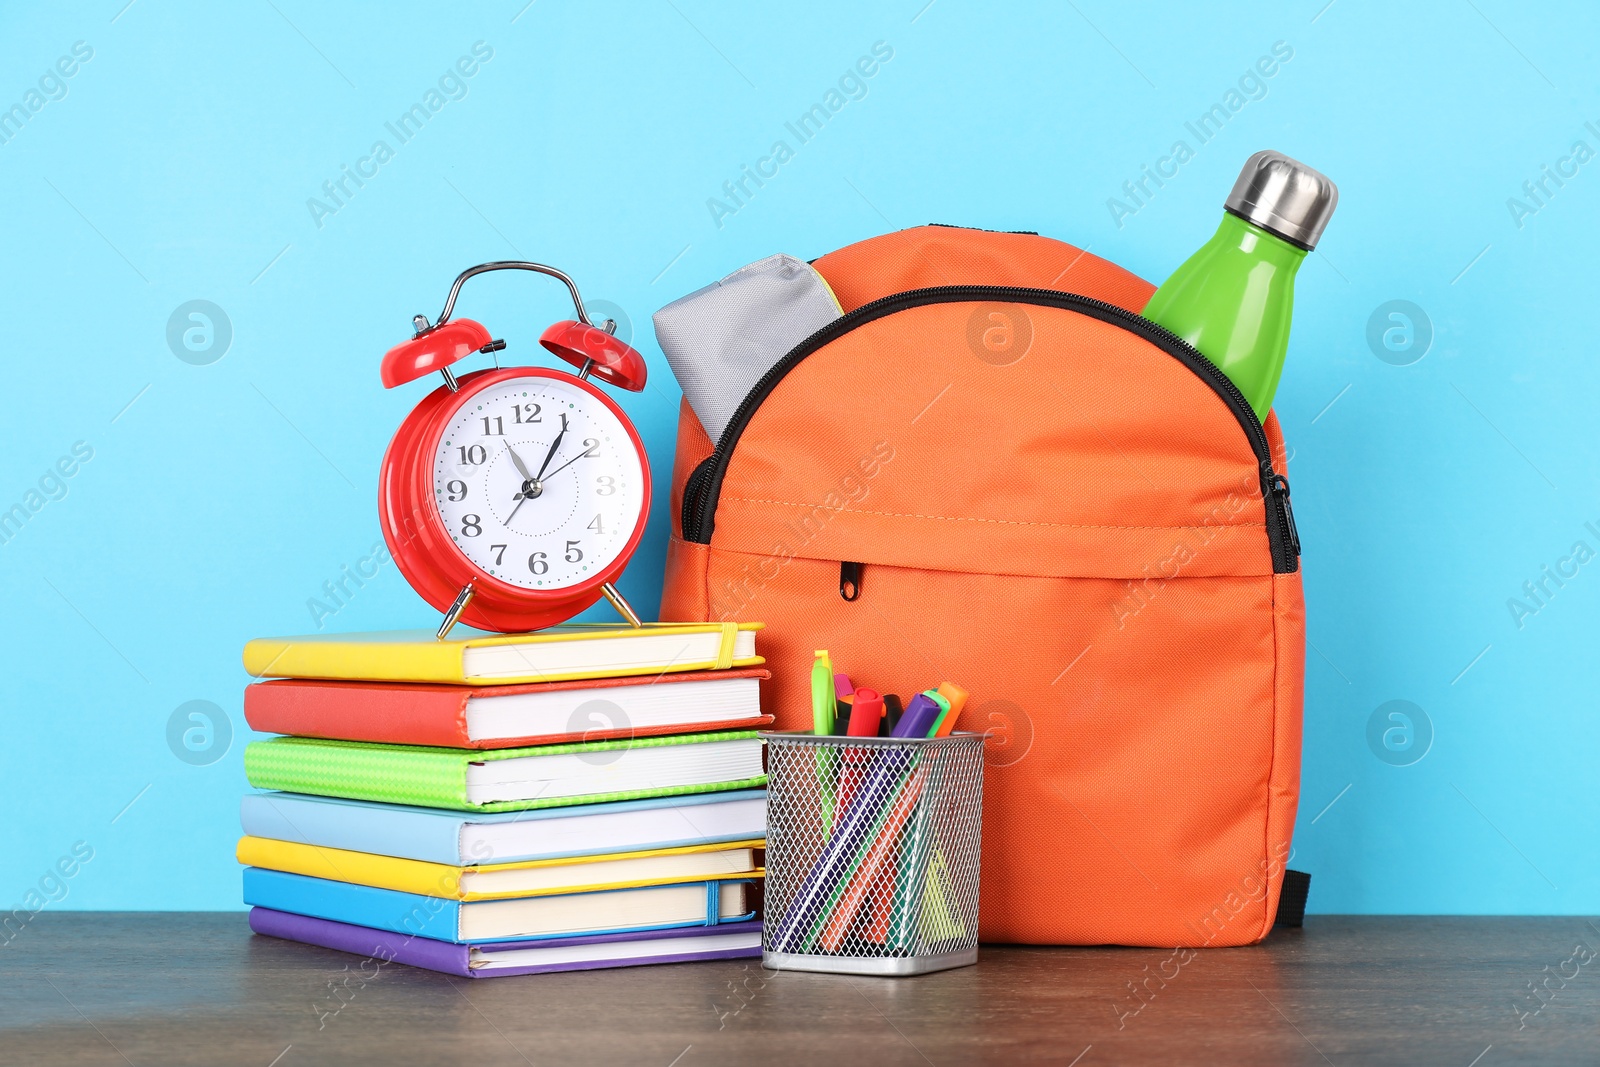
<point x="865" y="712"/>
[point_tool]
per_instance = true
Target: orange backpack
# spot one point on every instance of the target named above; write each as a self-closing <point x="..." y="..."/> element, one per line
<point x="992" y="471"/>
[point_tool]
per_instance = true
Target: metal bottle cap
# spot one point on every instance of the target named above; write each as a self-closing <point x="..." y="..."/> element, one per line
<point x="1284" y="197"/>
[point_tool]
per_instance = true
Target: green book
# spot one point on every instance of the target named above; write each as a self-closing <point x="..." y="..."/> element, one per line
<point x="509" y="779"/>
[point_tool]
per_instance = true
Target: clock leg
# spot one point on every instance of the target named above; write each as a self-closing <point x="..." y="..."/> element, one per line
<point x="454" y="614"/>
<point x="620" y="602"/>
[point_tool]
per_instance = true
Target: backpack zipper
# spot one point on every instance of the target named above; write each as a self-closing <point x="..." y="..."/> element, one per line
<point x="704" y="484"/>
<point x="980" y="229"/>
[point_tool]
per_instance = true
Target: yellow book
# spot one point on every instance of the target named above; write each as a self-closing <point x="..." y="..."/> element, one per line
<point x="568" y="652"/>
<point x="502" y="881"/>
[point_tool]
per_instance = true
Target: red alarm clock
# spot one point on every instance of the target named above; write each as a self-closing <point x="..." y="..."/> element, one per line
<point x="512" y="498"/>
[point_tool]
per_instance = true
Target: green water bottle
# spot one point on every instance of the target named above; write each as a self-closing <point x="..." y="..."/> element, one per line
<point x="1233" y="298"/>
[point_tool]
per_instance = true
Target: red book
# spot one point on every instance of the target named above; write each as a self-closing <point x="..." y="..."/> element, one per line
<point x="508" y="716"/>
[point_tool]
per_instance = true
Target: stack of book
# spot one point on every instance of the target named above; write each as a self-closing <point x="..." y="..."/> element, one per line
<point x="495" y="804"/>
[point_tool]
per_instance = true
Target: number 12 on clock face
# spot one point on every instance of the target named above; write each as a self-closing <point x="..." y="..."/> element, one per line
<point x="538" y="483"/>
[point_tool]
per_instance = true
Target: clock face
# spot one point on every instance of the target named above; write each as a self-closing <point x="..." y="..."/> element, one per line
<point x="537" y="482"/>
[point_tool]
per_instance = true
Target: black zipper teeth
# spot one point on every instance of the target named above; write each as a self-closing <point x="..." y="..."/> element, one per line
<point x="692" y="488"/>
<point x="980" y="229"/>
<point x="699" y="516"/>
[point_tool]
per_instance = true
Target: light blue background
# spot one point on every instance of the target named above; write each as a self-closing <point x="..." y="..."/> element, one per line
<point x="179" y="164"/>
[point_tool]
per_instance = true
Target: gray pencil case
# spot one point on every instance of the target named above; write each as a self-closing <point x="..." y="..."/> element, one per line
<point x="721" y="339"/>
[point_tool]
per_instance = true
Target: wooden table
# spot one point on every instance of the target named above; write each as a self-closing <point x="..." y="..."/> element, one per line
<point x="102" y="988"/>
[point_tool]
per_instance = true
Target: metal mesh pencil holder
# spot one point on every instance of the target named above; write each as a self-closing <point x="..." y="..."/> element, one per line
<point x="872" y="853"/>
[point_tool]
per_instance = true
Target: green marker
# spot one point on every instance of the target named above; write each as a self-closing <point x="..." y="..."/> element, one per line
<point x="1233" y="298"/>
<point x="822" y="716"/>
<point x="823" y="703"/>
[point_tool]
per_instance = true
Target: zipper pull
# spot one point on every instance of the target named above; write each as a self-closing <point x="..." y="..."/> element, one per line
<point x="1280" y="489"/>
<point x="849" y="580"/>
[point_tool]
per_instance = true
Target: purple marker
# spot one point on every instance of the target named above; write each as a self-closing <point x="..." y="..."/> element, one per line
<point x="918" y="719"/>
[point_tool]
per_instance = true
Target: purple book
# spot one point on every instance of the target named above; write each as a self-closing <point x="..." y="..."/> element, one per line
<point x="726" y="941"/>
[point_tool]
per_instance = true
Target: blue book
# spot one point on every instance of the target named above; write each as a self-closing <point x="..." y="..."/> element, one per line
<point x="462" y="839"/>
<point x="555" y="915"/>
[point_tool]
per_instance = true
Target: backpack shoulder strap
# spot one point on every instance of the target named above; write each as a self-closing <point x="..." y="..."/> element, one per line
<point x="1292" y="899"/>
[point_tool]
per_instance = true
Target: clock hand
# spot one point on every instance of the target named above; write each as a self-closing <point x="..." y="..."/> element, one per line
<point x="529" y="482"/>
<point x="522" y="468"/>
<point x="531" y="485"/>
<point x="548" y="456"/>
<point x="568" y="463"/>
